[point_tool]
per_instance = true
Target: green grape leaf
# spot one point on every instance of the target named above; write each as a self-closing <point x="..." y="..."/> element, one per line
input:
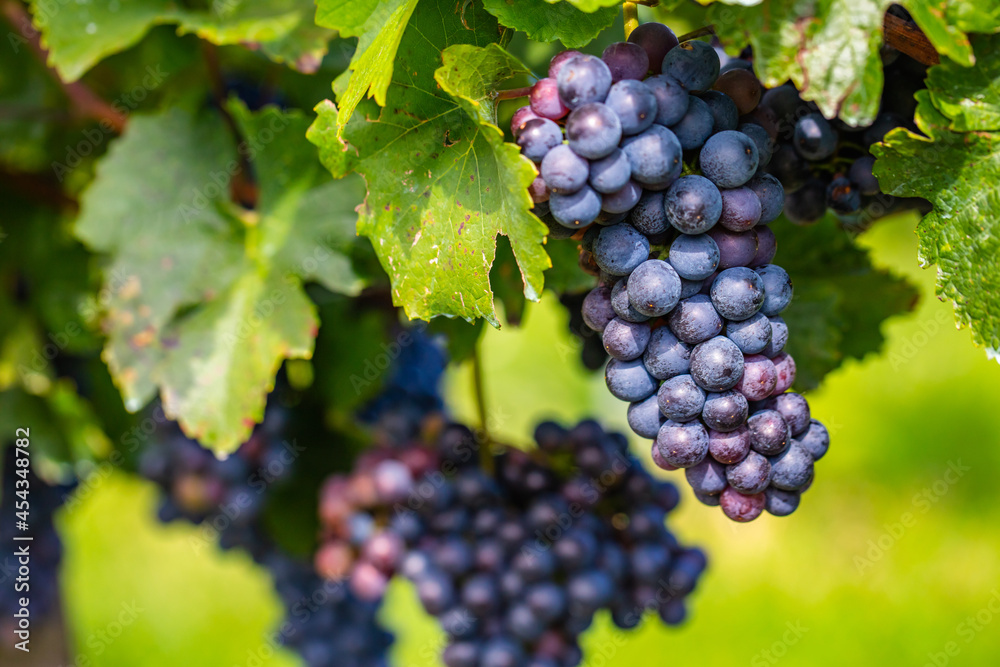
<point x="543" y="21"/>
<point x="379" y="27"/>
<point x="203" y="300"/>
<point x="957" y="172"/>
<point x="945" y="23"/>
<point x="441" y="181"/>
<point x="970" y="97"/>
<point x="827" y="322"/>
<point x="588" y="6"/>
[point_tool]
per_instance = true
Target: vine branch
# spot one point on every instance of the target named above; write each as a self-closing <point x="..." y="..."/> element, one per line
<point x="513" y="93"/>
<point x="485" y="451"/>
<point x="906" y="37"/>
<point x="631" y="14"/>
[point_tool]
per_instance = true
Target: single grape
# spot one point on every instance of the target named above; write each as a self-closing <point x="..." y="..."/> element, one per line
<point x="690" y="287"/>
<point x="751" y="475"/>
<point x="620" y="249"/>
<point x="622" y="306"/>
<point x="708" y="500"/>
<point x="725" y="411"/>
<point x="777" y="289"/>
<point x="807" y="204"/>
<point x="645" y="417"/>
<point x="716" y="364"/>
<point x="655" y="39"/>
<point x="729" y="159"/>
<point x="759" y="377"/>
<point x="634" y="104"/>
<point x="842" y="196"/>
<point x="654" y="288"/>
<point x="610" y="173"/>
<point x="735" y="248"/>
<point x="791" y="469"/>
<point x="750" y="335"/>
<point x="742" y="86"/>
<point x="730" y="447"/>
<point x="626" y="340"/>
<point x="624" y="200"/>
<point x="780" y="503"/>
<point x="693" y="204"/>
<point x="764" y="117"/>
<point x="545" y="100"/>
<point x="723" y="109"/>
<point x="628" y="380"/>
<point x="784" y="100"/>
<point x="537" y="137"/>
<point x="563" y="171"/>
<point x="761" y="139"/>
<point x="559" y="61"/>
<point x="695" y="320"/>
<point x="597" y="310"/>
<point x="461" y="654"/>
<point x="741" y="209"/>
<point x="779" y="336"/>
<point x="736" y="63"/>
<point x="695" y="126"/>
<point x="680" y="399"/>
<point x="648" y="215"/>
<point x="682" y="445"/>
<point x="737" y="294"/>
<point x="593" y="130"/>
<point x="501" y="652"/>
<point x="707" y="478"/>
<point x="666" y="356"/>
<point x="784" y="367"/>
<point x="576" y="210"/>
<point x="672" y="100"/>
<point x="769" y="434"/>
<point x="583" y="79"/>
<point x="655" y="156"/>
<point x="740" y="507"/>
<point x="793" y="407"/>
<point x="815" y="139"/>
<point x="767" y="246"/>
<point x="520" y="117"/>
<point x="626" y="60"/>
<point x="815" y="440"/>
<point x="791" y="170"/>
<point x="694" y="257"/>
<point x="862" y="176"/>
<point x="694" y="64"/>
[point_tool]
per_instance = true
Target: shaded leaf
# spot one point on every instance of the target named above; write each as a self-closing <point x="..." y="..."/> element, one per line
<point x="544" y="21"/>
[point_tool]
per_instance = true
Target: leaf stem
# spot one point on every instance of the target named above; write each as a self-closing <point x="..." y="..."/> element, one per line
<point x="485" y="450"/>
<point x="631" y="14"/>
<point x="512" y="94"/>
<point x="700" y="32"/>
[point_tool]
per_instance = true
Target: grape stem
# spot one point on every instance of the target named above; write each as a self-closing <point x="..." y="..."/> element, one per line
<point x="512" y="94"/>
<point x="631" y="14"/>
<point x="484" y="440"/>
<point x="700" y="32"/>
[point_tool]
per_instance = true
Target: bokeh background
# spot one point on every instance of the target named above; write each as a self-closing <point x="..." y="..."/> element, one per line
<point x="889" y="559"/>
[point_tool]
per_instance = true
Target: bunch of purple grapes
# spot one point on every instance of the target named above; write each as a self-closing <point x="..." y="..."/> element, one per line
<point x="688" y="302"/>
<point x="514" y="561"/>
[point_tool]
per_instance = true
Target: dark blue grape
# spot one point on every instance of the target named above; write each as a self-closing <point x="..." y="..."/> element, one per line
<point x="791" y="170"/>
<point x="777" y="289"/>
<point x="501" y="652"/>
<point x="461" y="654"/>
<point x="655" y="39"/>
<point x="537" y="137"/>
<point x="750" y="335"/>
<point x="665" y="355"/>
<point x="611" y="173"/>
<point x="771" y="194"/>
<point x="626" y="61"/>
<point x="741" y="507"/>
<point x="597" y="310"/>
<point x="729" y="159"/>
<point x="624" y="200"/>
<point x="815" y="139"/>
<point x="751" y="475"/>
<point x="680" y="399"/>
<point x="648" y="215"/>
<point x="884" y="122"/>
<point x="725" y="411"/>
<point x="716" y="364"/>
<point x="735" y="248"/>
<point x="769" y="434"/>
<point x="695" y="126"/>
<point x="724" y="112"/>
<point x="780" y="503"/>
<point x="435" y="591"/>
<point x="682" y="445"/>
<point x="731" y="447"/>
<point x="779" y="336"/>
<point x="708" y="500"/>
<point x="738" y="293"/>
<point x="629" y="380"/>
<point x="547" y="601"/>
<point x="815" y="440"/>
<point x="621" y="304"/>
<point x="761" y="139"/>
<point x="794" y="408"/>
<point x="649" y="563"/>
<point x="655" y="156"/>
<point x="690" y="287"/>
<point x="577" y="210"/>
<point x="693" y="204"/>
<point x="842" y="196"/>
<point x="564" y="171"/>
<point x="767" y="246"/>
<point x="807" y="204"/>
<point x="707" y="478"/>
<point x="695" y="320"/>
<point x="694" y="257"/>
<point x="593" y="130"/>
<point x="645" y="418"/>
<point x="625" y="340"/>
<point x="577" y="549"/>
<point x="791" y="469"/>
<point x="862" y="176"/>
<point x="736" y="63"/>
<point x="583" y="79"/>
<point x="654" y="288"/>
<point x="671" y="99"/>
<point x="741" y="209"/>
<point x="588" y="592"/>
<point x="634" y="104"/>
<point x="694" y="64"/>
<point x="620" y="249"/>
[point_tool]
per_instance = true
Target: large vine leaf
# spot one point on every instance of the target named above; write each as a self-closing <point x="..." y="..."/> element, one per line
<point x="970" y="97"/>
<point x="957" y="172"/>
<point x="828" y="321"/>
<point x="543" y="21"/>
<point x="204" y="300"/>
<point x="379" y="27"/>
<point x="441" y="181"/>
<point x="78" y="35"/>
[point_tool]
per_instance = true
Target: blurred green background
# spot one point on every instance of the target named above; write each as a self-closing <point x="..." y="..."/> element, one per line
<point x="891" y="560"/>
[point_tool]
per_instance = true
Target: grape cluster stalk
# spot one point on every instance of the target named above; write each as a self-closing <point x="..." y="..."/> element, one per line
<point x="656" y="160"/>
